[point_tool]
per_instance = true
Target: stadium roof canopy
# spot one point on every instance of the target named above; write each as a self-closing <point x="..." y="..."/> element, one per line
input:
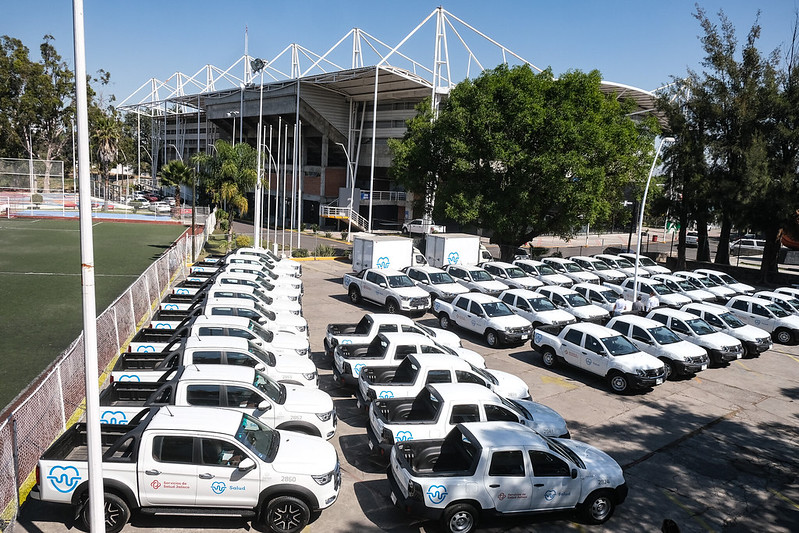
<point x="399" y="76"/>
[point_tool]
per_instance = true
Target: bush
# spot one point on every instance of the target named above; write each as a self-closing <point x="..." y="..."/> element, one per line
<point x="328" y="234"/>
<point x="37" y="198"/>
<point x="243" y="241"/>
<point x="324" y="250"/>
<point x="299" y="252"/>
<point x="344" y="235"/>
<point x="224" y="225"/>
<point x="302" y="226"/>
<point x="314" y="228"/>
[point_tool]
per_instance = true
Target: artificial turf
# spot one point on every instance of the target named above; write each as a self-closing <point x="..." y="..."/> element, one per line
<point x="40" y="286"/>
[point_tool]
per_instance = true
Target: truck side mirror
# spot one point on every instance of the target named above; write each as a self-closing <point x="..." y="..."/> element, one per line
<point x="247" y="464"/>
<point x="260" y="367"/>
<point x="382" y="284"/>
<point x="264" y="406"/>
<point x="574" y="471"/>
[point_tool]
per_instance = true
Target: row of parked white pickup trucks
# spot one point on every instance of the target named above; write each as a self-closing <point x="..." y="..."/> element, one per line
<point x="463" y="440"/>
<point x="215" y="409"/>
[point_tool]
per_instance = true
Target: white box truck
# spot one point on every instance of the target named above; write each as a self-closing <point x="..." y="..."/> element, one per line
<point x="381" y="252"/>
<point x="452" y="249"/>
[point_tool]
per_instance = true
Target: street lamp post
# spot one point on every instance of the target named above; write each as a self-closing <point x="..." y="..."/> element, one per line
<point x="233" y="114"/>
<point x="351" y="171"/>
<point x="258" y="65"/>
<point x="641" y="210"/>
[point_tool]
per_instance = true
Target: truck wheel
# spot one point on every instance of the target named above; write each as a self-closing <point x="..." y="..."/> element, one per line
<point x="598" y="507"/>
<point x="392" y="307"/>
<point x="618" y="382"/>
<point x="548" y="358"/>
<point x="670" y="373"/>
<point x="117" y="513"/>
<point x="492" y="339"/>
<point x="443" y="321"/>
<point x="783" y="336"/>
<point x="459" y="518"/>
<point x="404" y="231"/>
<point x="355" y="295"/>
<point x="287" y="514"/>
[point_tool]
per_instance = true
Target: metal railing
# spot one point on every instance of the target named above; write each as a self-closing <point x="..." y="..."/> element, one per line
<point x="343" y="213"/>
<point x="389" y="196"/>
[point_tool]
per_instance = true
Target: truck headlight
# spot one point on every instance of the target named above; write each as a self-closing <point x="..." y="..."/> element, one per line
<point x="641" y="372"/>
<point x="302" y="351"/>
<point x="324" y="417"/>
<point x="310" y="376"/>
<point x="405" y="298"/>
<point x="324" y="479"/>
<point x="301" y="328"/>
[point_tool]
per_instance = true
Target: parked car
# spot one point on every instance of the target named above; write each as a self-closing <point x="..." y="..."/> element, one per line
<point x="543" y="272"/>
<point x="621" y="264"/>
<point x="700" y="281"/>
<point x="604" y="296"/>
<point x="435" y="281"/>
<point x="747" y="247"/>
<point x="725" y="279"/>
<point x="788" y="302"/>
<point x="484" y="315"/>
<point x="692" y="239"/>
<point x="684" y="287"/>
<point x="767" y="315"/>
<point x="536" y="308"/>
<point x="572" y="270"/>
<point x="721" y="348"/>
<point x="476" y="279"/>
<point x="512" y="275"/>
<point x="646" y="263"/>
<point x="754" y="340"/>
<point x="575" y="303"/>
<point x="419" y="225"/>
<point x="599" y="268"/>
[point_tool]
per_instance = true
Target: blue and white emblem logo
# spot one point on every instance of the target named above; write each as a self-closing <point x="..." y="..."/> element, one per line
<point x="218" y="487"/>
<point x="437" y="493"/>
<point x="64" y="478"/>
<point x="383" y="262"/>
<point x="453" y="258"/>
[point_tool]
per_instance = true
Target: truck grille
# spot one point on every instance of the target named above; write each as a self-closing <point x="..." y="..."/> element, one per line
<point x="523" y="329"/>
<point x="418" y="301"/>
<point x="654" y="372"/>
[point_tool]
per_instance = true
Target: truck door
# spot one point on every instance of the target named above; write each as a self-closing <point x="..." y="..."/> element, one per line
<point x="572" y="347"/>
<point x="220" y="483"/>
<point x="479" y="320"/>
<point x="375" y="287"/>
<point x="553" y="486"/>
<point x="461" y="312"/>
<point x="594" y="357"/>
<point x="507" y="481"/>
<point x="167" y="471"/>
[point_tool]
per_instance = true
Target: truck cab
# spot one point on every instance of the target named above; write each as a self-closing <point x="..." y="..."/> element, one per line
<point x="435" y="281"/>
<point x="754" y="340"/>
<point x="722" y="278"/>
<point x="621" y="264"/>
<point x="720" y="347"/>
<point x="543" y="272"/>
<point x="512" y="275"/>
<point x="684" y="287"/>
<point x="536" y="308"/>
<point x="390" y="288"/>
<point x="604" y="296"/>
<point x="572" y="270"/>
<point x="664" y="294"/>
<point x="476" y="279"/>
<point x="767" y="315"/>
<point x="789" y="302"/>
<point x="599" y="268"/>
<point x="645" y="263"/>
<point x="703" y="282"/>
<point x="573" y="302"/>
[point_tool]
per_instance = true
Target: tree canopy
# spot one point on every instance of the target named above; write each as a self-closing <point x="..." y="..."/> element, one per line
<point x="525" y="154"/>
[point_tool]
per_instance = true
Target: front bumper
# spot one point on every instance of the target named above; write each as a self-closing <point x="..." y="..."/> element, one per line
<point x="756" y="348"/>
<point x="683" y="368"/>
<point x="720" y="357"/>
<point x="643" y="382"/>
<point x="415" y="304"/>
<point x="514" y="337"/>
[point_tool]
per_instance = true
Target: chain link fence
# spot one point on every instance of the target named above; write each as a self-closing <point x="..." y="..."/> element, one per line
<point x="56" y="398"/>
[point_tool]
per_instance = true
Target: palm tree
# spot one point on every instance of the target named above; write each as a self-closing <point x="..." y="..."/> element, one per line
<point x="175" y="174"/>
<point x="106" y="135"/>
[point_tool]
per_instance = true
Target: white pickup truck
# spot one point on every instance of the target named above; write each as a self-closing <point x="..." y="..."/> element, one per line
<point x="575" y="303"/>
<point x="512" y="275"/>
<point x="767" y="315"/>
<point x="440" y="406"/>
<point x="195" y="460"/>
<point x="721" y="347"/>
<point x="601" y="351"/>
<point x="373" y="323"/>
<point x="388" y="288"/>
<point x="304" y="409"/>
<point x="665" y="295"/>
<point x="281" y="343"/>
<point x="722" y="278"/>
<point x="754" y="340"/>
<point x="476" y="279"/>
<point x="503" y="468"/>
<point x="417" y="370"/>
<point x="435" y="281"/>
<point x="284" y="322"/>
<point x="681" y="358"/>
<point x="149" y="367"/>
<point x="278" y="264"/>
<point x="419" y="225"/>
<point x="536" y="308"/>
<point x="484" y="315"/>
<point x="389" y="349"/>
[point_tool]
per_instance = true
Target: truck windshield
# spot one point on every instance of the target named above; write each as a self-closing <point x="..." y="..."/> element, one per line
<point x="647" y="262"/>
<point x="274" y="391"/>
<point x="573" y="267"/>
<point x="559" y="448"/>
<point x="707" y="282"/>
<point x="270" y="315"/>
<point x="661" y="289"/>
<point x="259" y="438"/>
<point x="260" y="353"/>
<point x="623" y="263"/>
<point x="488" y="376"/>
<point x="546" y="270"/>
<point x="265" y="298"/>
<point x="726" y="278"/>
<point x="265" y="334"/>
<point x="495" y="309"/>
<point x="541" y="304"/>
<point x="731" y="320"/>
<point x="619" y="345"/>
<point x="576" y="300"/>
<point x="598" y="265"/>
<point x="608" y="295"/>
<point x="398" y="282"/>
<point x="777" y="310"/>
<point x="480" y="275"/>
<point x="515" y="273"/>
<point x="440" y="278"/>
<point x="700" y="327"/>
<point x="663" y="335"/>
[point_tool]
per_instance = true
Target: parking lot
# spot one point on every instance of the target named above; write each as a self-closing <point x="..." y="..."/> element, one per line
<point x="717" y="452"/>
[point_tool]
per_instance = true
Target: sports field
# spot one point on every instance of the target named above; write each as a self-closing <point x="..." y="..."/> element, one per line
<point x="40" y="286"/>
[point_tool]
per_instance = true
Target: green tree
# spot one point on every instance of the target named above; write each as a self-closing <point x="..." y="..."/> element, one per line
<point x="106" y="136"/>
<point x="523" y="154"/>
<point x="175" y="174"/>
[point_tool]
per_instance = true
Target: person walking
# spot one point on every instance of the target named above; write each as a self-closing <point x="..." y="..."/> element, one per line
<point x="638" y="305"/>
<point x="618" y="306"/>
<point x="652" y="302"/>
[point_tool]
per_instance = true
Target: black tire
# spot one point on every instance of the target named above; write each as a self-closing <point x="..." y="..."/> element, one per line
<point x="670" y="372"/>
<point x="355" y="295"/>
<point x="598" y="507"/>
<point x="405" y="231"/>
<point x="783" y="336"/>
<point x="116" y="510"/>
<point x="286" y="514"/>
<point x="549" y="358"/>
<point x="444" y="321"/>
<point x="392" y="307"/>
<point x="460" y="518"/>
<point x="492" y="339"/>
<point x="618" y="383"/>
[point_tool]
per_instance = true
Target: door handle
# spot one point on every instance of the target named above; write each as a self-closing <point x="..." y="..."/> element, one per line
<point x="538" y="484"/>
<point x="206" y="476"/>
<point x="152" y="472"/>
<point x="494" y="485"/>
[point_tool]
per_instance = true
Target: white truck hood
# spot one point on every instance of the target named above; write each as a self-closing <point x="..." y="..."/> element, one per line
<point x="597" y="463"/>
<point x="492" y="285"/>
<point x="544" y="419"/>
<point x="510" y="321"/>
<point x="472" y="357"/>
<point x="411" y="292"/>
<point x="557" y="316"/>
<point x="683" y="350"/>
<point x="528" y="282"/>
<point x="586" y="277"/>
<point x="742" y="288"/>
<point x="447" y="338"/>
<point x="638" y="361"/>
<point x="307" y="400"/>
<point x="717" y="340"/>
<point x="294" y="365"/>
<point x="304" y="454"/>
<point x="451" y="288"/>
<point x="748" y="333"/>
<point x="675" y="300"/>
<point x="556" y="279"/>
<point x="509" y="385"/>
<point x="700" y="295"/>
<point x="588" y="312"/>
<point x="289" y="341"/>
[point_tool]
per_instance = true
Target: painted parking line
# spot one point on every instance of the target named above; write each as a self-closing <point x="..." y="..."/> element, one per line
<point x="784" y="498"/>
<point x="688" y="510"/>
<point x="739" y="363"/>
<point x="559" y="381"/>
<point x="787" y="355"/>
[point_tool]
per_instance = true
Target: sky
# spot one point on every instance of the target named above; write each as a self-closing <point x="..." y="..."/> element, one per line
<point x="642" y="43"/>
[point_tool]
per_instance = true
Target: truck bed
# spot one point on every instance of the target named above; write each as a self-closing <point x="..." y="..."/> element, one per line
<point x="417" y="410"/>
<point x="71" y="446"/>
<point x="438" y="457"/>
<point x="146" y="361"/>
<point x="385" y="375"/>
<point x="341" y="329"/>
<point x="127" y="394"/>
